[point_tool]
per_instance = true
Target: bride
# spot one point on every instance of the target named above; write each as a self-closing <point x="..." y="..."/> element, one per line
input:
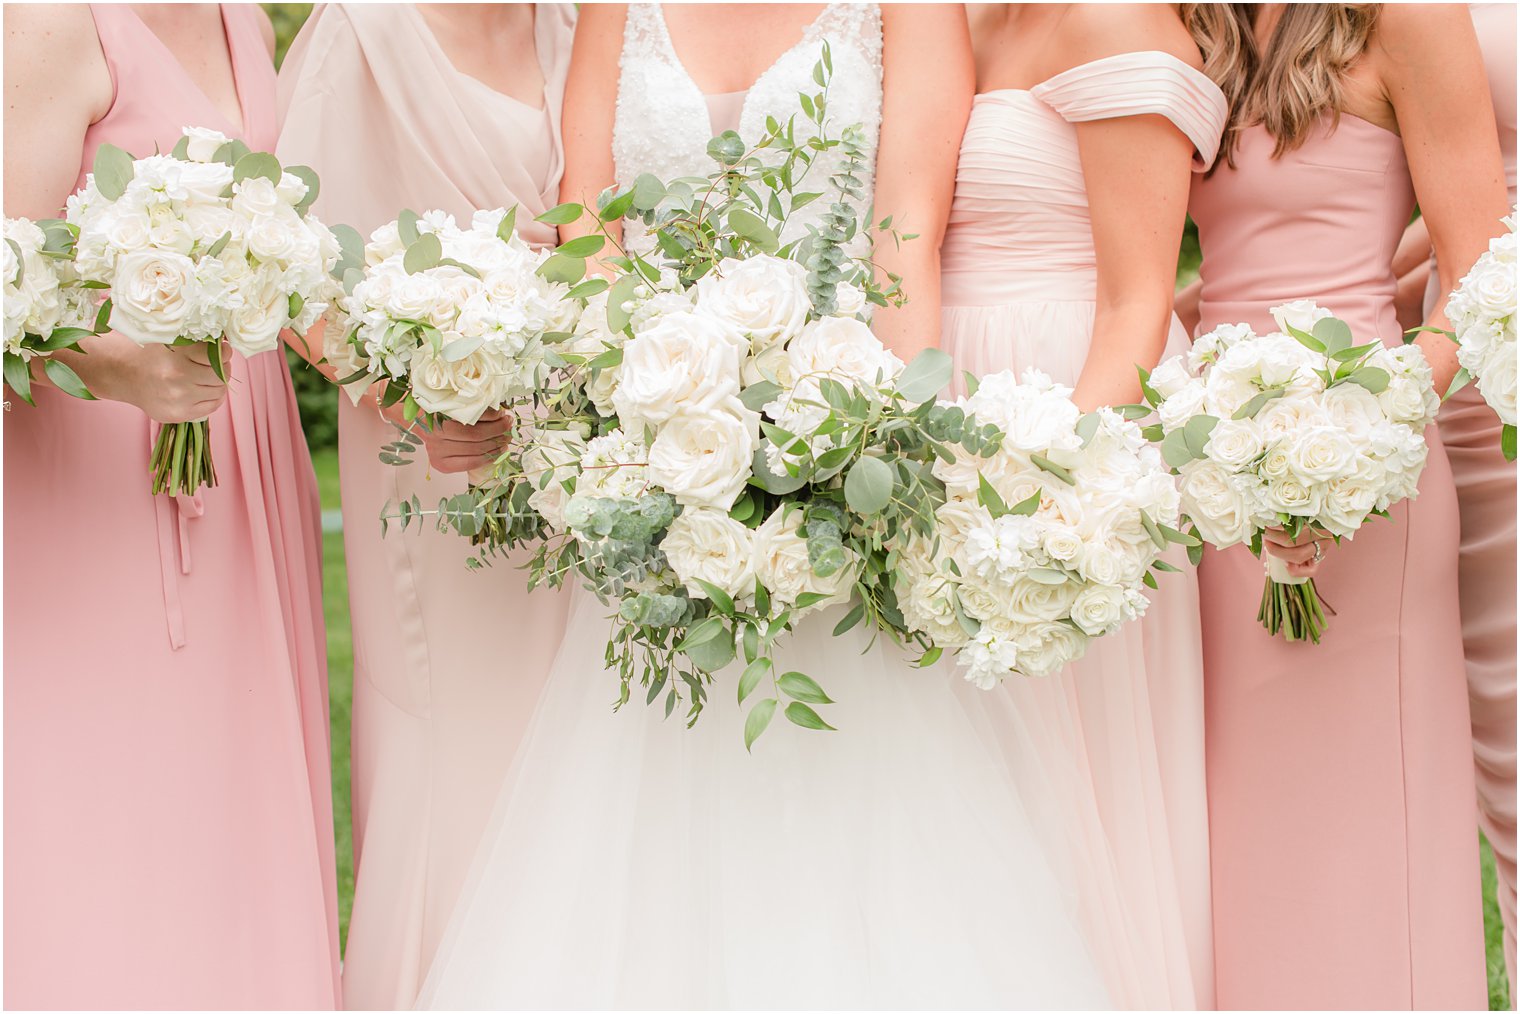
<point x="634" y="863"/>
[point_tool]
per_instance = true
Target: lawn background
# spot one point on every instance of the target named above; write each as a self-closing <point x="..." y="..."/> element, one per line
<point x="318" y="403"/>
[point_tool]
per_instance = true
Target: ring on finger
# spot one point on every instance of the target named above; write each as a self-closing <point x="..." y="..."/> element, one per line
<point x="1319" y="550"/>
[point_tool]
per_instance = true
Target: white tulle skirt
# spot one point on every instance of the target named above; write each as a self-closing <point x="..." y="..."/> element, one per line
<point x="633" y="863"/>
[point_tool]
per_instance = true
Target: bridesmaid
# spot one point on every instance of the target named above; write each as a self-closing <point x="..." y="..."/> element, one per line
<point x="1061" y="255"/>
<point x="459" y="103"/>
<point x="168" y="816"/>
<point x="1340" y="774"/>
<point x="1486" y="498"/>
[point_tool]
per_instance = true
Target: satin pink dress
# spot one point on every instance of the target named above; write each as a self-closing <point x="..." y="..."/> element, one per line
<point x="448" y="661"/>
<point x="1341" y="798"/>
<point x="1486" y="499"/>
<point x="168" y="810"/>
<point x="1122" y="729"/>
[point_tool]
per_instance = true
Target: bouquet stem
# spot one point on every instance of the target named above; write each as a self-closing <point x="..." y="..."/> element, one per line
<point x="181" y="461"/>
<point x="1291" y="606"/>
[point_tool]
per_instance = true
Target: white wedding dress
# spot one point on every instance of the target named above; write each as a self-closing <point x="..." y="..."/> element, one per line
<point x="633" y="863"/>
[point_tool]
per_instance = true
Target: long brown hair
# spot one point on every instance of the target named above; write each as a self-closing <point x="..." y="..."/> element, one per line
<point x="1297" y="78"/>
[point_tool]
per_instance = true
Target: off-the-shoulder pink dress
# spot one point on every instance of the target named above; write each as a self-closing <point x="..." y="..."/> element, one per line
<point x="1122" y="729"/>
<point x="1341" y="798"/>
<point x="448" y="661"/>
<point x="168" y="813"/>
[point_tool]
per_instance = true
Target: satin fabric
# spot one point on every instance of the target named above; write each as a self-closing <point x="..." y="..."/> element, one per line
<point x="1120" y="732"/>
<point x="372" y="103"/>
<point x="1341" y="798"/>
<point x="1486" y="499"/>
<point x="169" y="837"/>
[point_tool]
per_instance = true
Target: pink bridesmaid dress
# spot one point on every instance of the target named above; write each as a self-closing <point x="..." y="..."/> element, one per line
<point x="448" y="662"/>
<point x="1122" y="729"/>
<point x="1340" y="774"/>
<point x="1486" y="500"/>
<point x="168" y="814"/>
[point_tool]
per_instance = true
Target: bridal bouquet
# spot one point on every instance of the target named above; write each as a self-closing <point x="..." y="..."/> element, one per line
<point x="1044" y="541"/>
<point x="1482" y="315"/>
<point x="211" y="241"/>
<point x="47" y="307"/>
<point x="456" y="322"/>
<point x="1300" y="429"/>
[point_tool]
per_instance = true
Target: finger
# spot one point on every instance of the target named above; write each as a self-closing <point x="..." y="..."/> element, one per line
<point x="1278" y="537"/>
<point x="1292" y="554"/>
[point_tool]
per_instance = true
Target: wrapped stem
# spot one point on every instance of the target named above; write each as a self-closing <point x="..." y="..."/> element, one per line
<point x="181" y="460"/>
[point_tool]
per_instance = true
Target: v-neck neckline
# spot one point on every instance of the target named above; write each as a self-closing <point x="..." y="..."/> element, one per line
<point x="675" y="59"/>
<point x="241" y="125"/>
<point x="543" y="71"/>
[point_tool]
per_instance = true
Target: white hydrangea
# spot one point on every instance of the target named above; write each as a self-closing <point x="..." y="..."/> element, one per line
<point x="1482" y="315"/>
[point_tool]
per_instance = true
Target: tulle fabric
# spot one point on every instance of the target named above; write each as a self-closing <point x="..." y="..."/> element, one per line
<point x="632" y="863"/>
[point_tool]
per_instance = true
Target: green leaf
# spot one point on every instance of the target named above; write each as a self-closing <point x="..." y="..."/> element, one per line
<point x="582" y="246"/>
<point x="1507" y="442"/>
<point x="220" y="244"/>
<point x="1152" y="530"/>
<point x="721" y="599"/>
<point x="768" y="480"/>
<point x="1459" y="380"/>
<point x="218" y="363"/>
<point x="1027" y="506"/>
<point x="423" y="254"/>
<point x="181" y="150"/>
<point x="1334" y="333"/>
<point x="617" y="296"/>
<point x="1174" y="449"/>
<point x="802" y="687"/>
<point x="851" y="618"/>
<point x="1372" y="378"/>
<point x="930" y="657"/>
<point x="752" y="227"/>
<point x="20" y="262"/>
<point x="758" y="718"/>
<point x="752" y="675"/>
<point x="257" y="164"/>
<point x="294" y="305"/>
<point x="1087" y="428"/>
<point x="868" y="486"/>
<point x="606" y="360"/>
<point x="727" y="148"/>
<point x="406" y="227"/>
<point x="1196" y="433"/>
<point x="18" y="378"/>
<point x="1046" y="465"/>
<point x="589" y="288"/>
<point x="1181" y="538"/>
<point x="807" y="599"/>
<point x="704" y="631"/>
<point x="231" y="152"/>
<point x="714" y="654"/>
<point x="617" y="207"/>
<point x="989" y="498"/>
<point x="800" y="714"/>
<point x="113" y="171"/>
<point x="562" y="214"/>
<point x="757" y="396"/>
<point x="308" y="176"/>
<point x="508" y="225"/>
<point x="560" y="268"/>
<point x="648" y="191"/>
<point x="66" y="380"/>
<point x="1250" y="408"/>
<point x="926" y="375"/>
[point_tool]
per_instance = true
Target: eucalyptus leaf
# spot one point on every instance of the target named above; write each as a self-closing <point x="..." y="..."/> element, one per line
<point x="758" y="395"/>
<point x="926" y="376"/>
<point x="868" y="486"/>
<point x="257" y="164"/>
<point x="1372" y="378"/>
<point x="648" y="191"/>
<point x="308" y="176"/>
<point x="713" y="654"/>
<point x="113" y="170"/>
<point x="423" y="254"/>
<point x="618" y="297"/>
<point x="753" y="228"/>
<point x="1334" y="333"/>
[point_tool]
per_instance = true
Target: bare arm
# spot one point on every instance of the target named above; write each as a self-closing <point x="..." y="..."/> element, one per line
<point x="590" y="107"/>
<point x="1432" y="72"/>
<point x="46" y="117"/>
<point x="928" y="82"/>
<point x="1411" y="263"/>
<point x="1185" y="304"/>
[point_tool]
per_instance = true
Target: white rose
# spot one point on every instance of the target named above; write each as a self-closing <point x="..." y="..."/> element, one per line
<point x="152" y="297"/>
<point x="1099" y="609"/>
<point x="1048" y="647"/>
<point x="203" y="143"/>
<point x="1215" y="504"/>
<point x="1101" y="564"/>
<point x="1063" y="543"/>
<point x="844" y="349"/>
<point x="1170" y="377"/>
<point x="255" y="196"/>
<point x="1302" y="314"/>
<point x="1291" y="495"/>
<point x="708" y="545"/>
<point x="682" y="362"/>
<point x="703" y="458"/>
<point x="203" y="183"/>
<point x="1234" y="444"/>
<point x="1320" y="454"/>
<point x="1497" y="383"/>
<point x="254" y="326"/>
<point x="769" y="364"/>
<point x="764" y="298"/>
<point x="464" y="390"/>
<point x="291" y="189"/>
<point x="1347" y="503"/>
<point x="1182" y="405"/>
<point x="849" y="300"/>
<point x="273" y="238"/>
<point x="781" y="562"/>
<point x="1030" y="601"/>
<point x="1491" y="286"/>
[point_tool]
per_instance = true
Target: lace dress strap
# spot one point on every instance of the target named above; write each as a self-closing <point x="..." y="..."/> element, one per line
<point x="854" y="23"/>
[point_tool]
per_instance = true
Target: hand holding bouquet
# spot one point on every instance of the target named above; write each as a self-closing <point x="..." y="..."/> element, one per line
<point x="1301" y="430"/>
<point x="207" y="243"/>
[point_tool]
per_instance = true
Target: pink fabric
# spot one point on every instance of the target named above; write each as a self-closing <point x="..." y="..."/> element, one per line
<point x="1486" y="498"/>
<point x="1120" y="733"/>
<point x="1340" y="774"/>
<point x="168" y="815"/>
<point x="437" y="713"/>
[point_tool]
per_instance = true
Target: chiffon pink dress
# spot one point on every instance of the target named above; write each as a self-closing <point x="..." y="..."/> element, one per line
<point x="1121" y="729"/>
<point x="168" y="813"/>
<point x="448" y="662"/>
<point x="1340" y="774"/>
<point x="1486" y="499"/>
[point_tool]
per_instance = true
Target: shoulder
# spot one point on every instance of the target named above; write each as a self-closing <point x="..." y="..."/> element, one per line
<point x="41" y="37"/>
<point x="937" y="18"/>
<point x="1406" y="31"/>
<point x="1091" y="32"/>
<point x="67" y="29"/>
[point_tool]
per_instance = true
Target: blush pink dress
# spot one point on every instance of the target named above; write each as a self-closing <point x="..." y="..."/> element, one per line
<point x="168" y="812"/>
<point x="1121" y="730"/>
<point x="1340" y="774"/>
<point x="1486" y="499"/>
<point x="448" y="662"/>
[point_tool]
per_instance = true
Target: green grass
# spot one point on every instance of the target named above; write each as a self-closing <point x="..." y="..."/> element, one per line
<point x="340" y="675"/>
